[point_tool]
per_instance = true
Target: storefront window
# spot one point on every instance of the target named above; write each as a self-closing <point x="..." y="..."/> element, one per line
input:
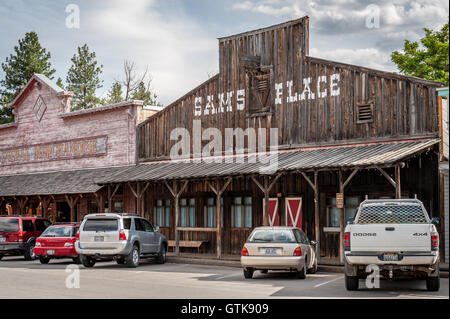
<point x="187" y="210"/>
<point x="211" y="214"/>
<point x="93" y="207"/>
<point x="162" y="214"/>
<point x="242" y="212"/>
<point x="118" y="206"/>
<point x="334" y="214"/>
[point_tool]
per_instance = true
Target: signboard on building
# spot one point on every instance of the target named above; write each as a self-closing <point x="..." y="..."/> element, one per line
<point x="339" y="200"/>
<point x="58" y="150"/>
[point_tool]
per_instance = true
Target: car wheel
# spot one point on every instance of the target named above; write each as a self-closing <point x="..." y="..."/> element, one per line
<point x="433" y="283"/>
<point x="87" y="261"/>
<point x="44" y="260"/>
<point x="313" y="270"/>
<point x="248" y="273"/>
<point x="161" y="255"/>
<point x="302" y="273"/>
<point x="351" y="282"/>
<point x="133" y="257"/>
<point x="77" y="260"/>
<point x="1" y="256"/>
<point x="29" y="252"/>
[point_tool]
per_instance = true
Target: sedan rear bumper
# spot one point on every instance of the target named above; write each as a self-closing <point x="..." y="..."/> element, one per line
<point x="273" y="262"/>
<point x="58" y="252"/>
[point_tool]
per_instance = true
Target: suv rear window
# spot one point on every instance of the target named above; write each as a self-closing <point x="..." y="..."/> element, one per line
<point x="390" y="214"/>
<point x="58" y="231"/>
<point x="272" y="236"/>
<point x="9" y="225"/>
<point x="105" y="224"/>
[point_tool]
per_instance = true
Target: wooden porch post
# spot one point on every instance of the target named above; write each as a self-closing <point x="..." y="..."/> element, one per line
<point x="72" y="201"/>
<point x="266" y="190"/>
<point x="110" y="196"/>
<point x="138" y="193"/>
<point x="219" y="191"/>
<point x="45" y="202"/>
<point x="398" y="187"/>
<point x="21" y="202"/>
<point x="342" y="185"/>
<point x="315" y="187"/>
<point x="176" y="195"/>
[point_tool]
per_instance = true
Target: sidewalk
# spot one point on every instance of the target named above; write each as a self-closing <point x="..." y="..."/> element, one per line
<point x="325" y="264"/>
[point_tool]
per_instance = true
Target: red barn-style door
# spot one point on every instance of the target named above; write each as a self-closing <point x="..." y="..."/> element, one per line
<point x="294" y="211"/>
<point x="274" y="219"/>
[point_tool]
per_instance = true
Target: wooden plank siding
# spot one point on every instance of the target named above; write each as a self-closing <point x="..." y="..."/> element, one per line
<point x="402" y="106"/>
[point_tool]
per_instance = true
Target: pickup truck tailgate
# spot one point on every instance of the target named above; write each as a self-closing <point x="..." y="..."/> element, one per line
<point x="390" y="238"/>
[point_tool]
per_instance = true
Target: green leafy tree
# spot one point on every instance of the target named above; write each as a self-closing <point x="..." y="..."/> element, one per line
<point x="83" y="79"/>
<point x="29" y="57"/>
<point x="115" y="94"/>
<point x="428" y="60"/>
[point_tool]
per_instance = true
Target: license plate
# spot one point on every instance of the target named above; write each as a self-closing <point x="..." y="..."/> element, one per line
<point x="99" y="238"/>
<point x="270" y="251"/>
<point x="50" y="252"/>
<point x="2" y="239"/>
<point x="390" y="257"/>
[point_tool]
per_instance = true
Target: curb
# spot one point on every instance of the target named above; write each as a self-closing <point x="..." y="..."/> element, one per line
<point x="237" y="264"/>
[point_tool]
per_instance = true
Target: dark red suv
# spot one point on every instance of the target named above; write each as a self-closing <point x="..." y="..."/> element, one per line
<point x="18" y="235"/>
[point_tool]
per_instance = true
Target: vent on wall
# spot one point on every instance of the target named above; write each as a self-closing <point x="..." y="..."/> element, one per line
<point x="364" y="112"/>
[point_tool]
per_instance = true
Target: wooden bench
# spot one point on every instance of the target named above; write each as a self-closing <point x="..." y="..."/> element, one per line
<point x="185" y="243"/>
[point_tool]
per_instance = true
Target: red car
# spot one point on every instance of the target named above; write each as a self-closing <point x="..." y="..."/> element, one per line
<point x="18" y="235"/>
<point x="57" y="242"/>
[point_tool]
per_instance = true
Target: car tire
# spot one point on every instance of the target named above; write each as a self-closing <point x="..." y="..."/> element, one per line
<point x="161" y="259"/>
<point x="1" y="256"/>
<point x="313" y="270"/>
<point x="133" y="257"/>
<point x="351" y="282"/>
<point x="44" y="260"/>
<point x="248" y="273"/>
<point x="433" y="283"/>
<point x="302" y="273"/>
<point x="29" y="252"/>
<point x="77" y="260"/>
<point x="87" y="261"/>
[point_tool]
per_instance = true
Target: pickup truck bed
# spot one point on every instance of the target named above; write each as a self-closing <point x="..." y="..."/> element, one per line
<point x="396" y="236"/>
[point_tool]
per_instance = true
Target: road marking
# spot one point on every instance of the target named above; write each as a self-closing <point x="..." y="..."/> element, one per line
<point x="327" y="282"/>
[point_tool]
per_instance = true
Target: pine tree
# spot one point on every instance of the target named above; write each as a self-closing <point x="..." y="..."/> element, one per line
<point x="115" y="94"/>
<point x="143" y="92"/>
<point x="83" y="79"/>
<point x="29" y="58"/>
<point x="59" y="83"/>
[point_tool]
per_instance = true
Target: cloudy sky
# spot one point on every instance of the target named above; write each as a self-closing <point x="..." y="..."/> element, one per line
<point x="177" y="39"/>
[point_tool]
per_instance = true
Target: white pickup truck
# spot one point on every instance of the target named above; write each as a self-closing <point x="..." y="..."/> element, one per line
<point x="395" y="235"/>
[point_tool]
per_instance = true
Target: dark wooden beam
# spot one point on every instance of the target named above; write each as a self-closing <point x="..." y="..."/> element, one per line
<point x="176" y="192"/>
<point x="266" y="189"/>
<point x="219" y="191"/>
<point x="398" y="187"/>
<point x="387" y="176"/>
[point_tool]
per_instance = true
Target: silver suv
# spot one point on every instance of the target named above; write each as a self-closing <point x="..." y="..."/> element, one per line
<point x="121" y="237"/>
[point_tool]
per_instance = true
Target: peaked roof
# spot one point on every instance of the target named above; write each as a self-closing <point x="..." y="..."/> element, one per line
<point x="41" y="78"/>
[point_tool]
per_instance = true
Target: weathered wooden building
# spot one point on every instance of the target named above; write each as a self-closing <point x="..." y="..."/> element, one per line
<point x="312" y="128"/>
<point x="277" y="137"/>
<point x="50" y="156"/>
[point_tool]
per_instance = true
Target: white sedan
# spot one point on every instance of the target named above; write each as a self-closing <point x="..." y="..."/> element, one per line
<point x="278" y="248"/>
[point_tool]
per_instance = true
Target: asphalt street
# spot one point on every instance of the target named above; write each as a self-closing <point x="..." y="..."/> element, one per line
<point x="30" y="279"/>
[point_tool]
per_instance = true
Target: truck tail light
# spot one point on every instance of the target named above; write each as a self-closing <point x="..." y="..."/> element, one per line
<point x="434" y="241"/>
<point x="347" y="241"/>
<point x="298" y="251"/>
<point x="20" y="236"/>
<point x="244" y="252"/>
<point x="122" y="235"/>
<point x="77" y="236"/>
